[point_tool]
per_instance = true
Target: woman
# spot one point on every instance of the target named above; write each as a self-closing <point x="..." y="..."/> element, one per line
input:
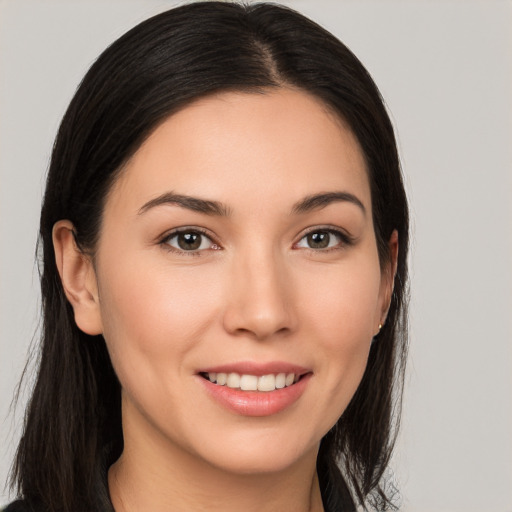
<point x="224" y="235"/>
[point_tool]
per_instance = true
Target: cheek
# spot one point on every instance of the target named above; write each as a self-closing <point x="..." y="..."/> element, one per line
<point x="152" y="317"/>
<point x="341" y="319"/>
<point x="342" y="305"/>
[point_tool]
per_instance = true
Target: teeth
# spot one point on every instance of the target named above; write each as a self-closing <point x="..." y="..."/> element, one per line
<point x="233" y="380"/>
<point x="244" y="382"/>
<point x="249" y="382"/>
<point x="267" y="383"/>
<point x="280" y="380"/>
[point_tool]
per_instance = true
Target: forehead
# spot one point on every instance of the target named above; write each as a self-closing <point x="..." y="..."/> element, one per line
<point x="279" y="146"/>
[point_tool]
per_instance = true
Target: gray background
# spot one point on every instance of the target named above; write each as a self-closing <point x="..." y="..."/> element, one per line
<point x="445" y="69"/>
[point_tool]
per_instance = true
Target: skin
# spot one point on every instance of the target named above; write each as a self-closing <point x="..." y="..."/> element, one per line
<point x="254" y="291"/>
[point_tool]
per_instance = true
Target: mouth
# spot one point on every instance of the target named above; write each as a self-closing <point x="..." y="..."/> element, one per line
<point x="247" y="382"/>
<point x="250" y="388"/>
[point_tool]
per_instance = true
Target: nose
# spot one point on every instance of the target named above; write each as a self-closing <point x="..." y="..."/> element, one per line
<point x="260" y="297"/>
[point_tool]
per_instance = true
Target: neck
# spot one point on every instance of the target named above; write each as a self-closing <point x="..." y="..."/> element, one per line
<point x="131" y="491"/>
<point x="153" y="474"/>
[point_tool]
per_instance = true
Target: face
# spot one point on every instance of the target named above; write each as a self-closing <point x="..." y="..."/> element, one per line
<point x="237" y="251"/>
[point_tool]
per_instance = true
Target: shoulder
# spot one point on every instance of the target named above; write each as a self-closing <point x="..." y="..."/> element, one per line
<point x="19" y="506"/>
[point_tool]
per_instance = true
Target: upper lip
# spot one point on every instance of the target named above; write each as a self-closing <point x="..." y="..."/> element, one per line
<point x="256" y="368"/>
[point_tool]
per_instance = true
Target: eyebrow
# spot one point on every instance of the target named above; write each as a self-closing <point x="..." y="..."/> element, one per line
<point x="215" y="208"/>
<point x="191" y="203"/>
<point x="319" y="201"/>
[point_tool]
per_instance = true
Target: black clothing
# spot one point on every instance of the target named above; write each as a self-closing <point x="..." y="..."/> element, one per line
<point x="335" y="495"/>
<point x="331" y="504"/>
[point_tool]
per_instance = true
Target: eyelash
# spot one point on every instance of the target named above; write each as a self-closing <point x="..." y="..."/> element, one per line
<point x="345" y="240"/>
<point x="187" y="230"/>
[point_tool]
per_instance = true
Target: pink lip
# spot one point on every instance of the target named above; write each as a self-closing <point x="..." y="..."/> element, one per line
<point x="256" y="403"/>
<point x="258" y="369"/>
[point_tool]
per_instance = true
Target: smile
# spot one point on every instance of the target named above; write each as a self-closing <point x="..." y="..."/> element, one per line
<point x="250" y="389"/>
<point x="247" y="382"/>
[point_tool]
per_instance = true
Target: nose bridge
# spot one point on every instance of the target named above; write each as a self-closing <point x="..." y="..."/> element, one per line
<point x="260" y="294"/>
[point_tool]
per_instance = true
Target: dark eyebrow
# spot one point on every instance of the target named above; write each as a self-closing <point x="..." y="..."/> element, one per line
<point x="319" y="201"/>
<point x="191" y="203"/>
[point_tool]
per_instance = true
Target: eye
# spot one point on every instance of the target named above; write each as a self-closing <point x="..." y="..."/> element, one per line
<point x="189" y="240"/>
<point x="323" y="239"/>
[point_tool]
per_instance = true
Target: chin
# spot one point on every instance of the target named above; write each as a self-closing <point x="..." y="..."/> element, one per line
<point x="270" y="453"/>
<point x="258" y="464"/>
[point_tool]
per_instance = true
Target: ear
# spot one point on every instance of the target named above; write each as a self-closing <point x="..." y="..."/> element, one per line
<point x="78" y="278"/>
<point x="388" y="279"/>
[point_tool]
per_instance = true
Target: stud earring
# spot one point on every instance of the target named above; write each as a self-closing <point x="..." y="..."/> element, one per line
<point x="374" y="339"/>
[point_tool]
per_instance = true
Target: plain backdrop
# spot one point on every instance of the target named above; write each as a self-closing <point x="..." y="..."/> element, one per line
<point x="445" y="69"/>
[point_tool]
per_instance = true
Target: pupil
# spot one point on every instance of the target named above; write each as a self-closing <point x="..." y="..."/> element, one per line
<point x="318" y="240"/>
<point x="189" y="241"/>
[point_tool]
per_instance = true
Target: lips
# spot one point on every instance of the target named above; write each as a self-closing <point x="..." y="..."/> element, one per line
<point x="247" y="382"/>
<point x="253" y="389"/>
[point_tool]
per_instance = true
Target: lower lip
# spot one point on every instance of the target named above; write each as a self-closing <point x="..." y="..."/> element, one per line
<point x="256" y="403"/>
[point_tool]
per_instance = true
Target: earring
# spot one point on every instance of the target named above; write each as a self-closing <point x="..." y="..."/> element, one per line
<point x="374" y="339"/>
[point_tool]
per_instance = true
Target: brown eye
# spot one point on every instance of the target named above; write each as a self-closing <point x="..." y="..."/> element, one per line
<point x="323" y="239"/>
<point x="318" y="240"/>
<point x="189" y="241"/>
